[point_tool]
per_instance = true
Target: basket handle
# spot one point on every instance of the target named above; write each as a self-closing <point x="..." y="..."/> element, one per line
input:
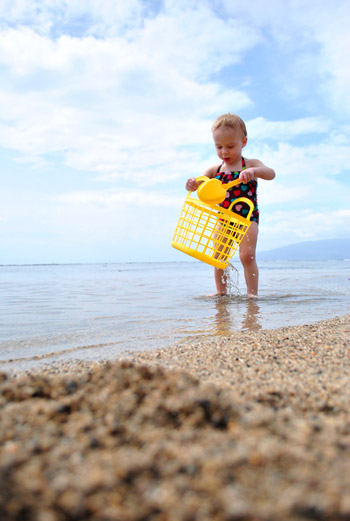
<point x="202" y="178"/>
<point x="224" y="185"/>
<point x="244" y="200"/>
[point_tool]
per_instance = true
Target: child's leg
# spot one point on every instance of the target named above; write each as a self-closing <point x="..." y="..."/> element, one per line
<point x="222" y="248"/>
<point x="247" y="255"/>
<point x="220" y="281"/>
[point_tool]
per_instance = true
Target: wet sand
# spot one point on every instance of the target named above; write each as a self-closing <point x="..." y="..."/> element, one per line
<point x="254" y="426"/>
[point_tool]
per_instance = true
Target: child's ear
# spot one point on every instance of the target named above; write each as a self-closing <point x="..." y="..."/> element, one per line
<point x="244" y="142"/>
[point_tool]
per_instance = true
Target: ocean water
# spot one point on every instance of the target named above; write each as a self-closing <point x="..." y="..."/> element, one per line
<point x="100" y="311"/>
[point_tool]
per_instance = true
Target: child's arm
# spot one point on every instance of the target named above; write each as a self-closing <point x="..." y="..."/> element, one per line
<point x="191" y="183"/>
<point x="256" y="169"/>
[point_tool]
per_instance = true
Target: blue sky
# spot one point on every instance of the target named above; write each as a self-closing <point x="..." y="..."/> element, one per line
<point x="106" y="109"/>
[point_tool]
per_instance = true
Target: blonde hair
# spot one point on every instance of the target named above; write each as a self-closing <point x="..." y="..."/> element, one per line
<point x="231" y="121"/>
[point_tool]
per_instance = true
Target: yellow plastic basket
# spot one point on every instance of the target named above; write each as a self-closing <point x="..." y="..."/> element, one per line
<point x="210" y="233"/>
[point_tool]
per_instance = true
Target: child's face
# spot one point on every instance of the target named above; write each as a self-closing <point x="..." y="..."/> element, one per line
<point x="229" y="143"/>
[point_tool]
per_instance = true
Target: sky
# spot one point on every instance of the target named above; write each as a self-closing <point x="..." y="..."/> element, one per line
<point x="107" y="107"/>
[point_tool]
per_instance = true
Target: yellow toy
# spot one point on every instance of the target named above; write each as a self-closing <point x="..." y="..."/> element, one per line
<point x="213" y="191"/>
<point x="208" y="232"/>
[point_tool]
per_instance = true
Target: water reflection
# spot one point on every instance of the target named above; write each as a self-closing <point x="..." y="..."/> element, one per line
<point x="230" y="316"/>
<point x="251" y="316"/>
<point x="223" y="316"/>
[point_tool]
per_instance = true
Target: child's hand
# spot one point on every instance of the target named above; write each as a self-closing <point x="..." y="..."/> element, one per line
<point x="246" y="175"/>
<point x="192" y="184"/>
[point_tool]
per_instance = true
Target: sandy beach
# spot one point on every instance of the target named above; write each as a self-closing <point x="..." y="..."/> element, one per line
<point x="252" y="427"/>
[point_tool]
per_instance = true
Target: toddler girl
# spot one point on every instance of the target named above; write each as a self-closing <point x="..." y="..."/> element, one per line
<point x="230" y="137"/>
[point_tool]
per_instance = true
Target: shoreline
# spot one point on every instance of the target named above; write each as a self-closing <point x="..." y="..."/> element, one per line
<point x="254" y="426"/>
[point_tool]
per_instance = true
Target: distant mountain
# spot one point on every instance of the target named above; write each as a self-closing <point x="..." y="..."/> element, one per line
<point x="337" y="249"/>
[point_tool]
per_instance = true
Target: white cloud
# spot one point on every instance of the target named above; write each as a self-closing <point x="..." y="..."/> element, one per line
<point x="112" y="198"/>
<point x="329" y="25"/>
<point x="106" y="98"/>
<point x="310" y="224"/>
<point x="312" y="163"/>
<point x="313" y="39"/>
<point x="99" y="102"/>
<point x="124" y="93"/>
<point x="287" y="227"/>
<point x="262" y="129"/>
<point x="97" y="17"/>
<point x="194" y="40"/>
<point x="276" y="194"/>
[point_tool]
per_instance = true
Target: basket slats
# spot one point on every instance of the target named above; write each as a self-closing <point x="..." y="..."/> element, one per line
<point x="209" y="233"/>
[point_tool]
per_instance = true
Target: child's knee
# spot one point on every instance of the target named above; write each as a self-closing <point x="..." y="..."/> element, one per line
<point x="247" y="257"/>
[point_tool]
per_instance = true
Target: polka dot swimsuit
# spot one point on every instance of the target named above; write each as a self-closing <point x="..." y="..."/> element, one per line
<point x="248" y="190"/>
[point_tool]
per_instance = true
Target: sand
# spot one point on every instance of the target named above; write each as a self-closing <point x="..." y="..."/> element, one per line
<point x="251" y="427"/>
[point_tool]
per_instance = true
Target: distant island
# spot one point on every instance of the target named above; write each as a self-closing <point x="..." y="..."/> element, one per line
<point x="328" y="249"/>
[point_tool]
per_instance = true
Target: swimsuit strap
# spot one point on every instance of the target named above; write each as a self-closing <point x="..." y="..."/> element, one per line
<point x="243" y="165"/>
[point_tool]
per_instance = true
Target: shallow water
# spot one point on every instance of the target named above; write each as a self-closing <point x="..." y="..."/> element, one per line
<point x="94" y="312"/>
